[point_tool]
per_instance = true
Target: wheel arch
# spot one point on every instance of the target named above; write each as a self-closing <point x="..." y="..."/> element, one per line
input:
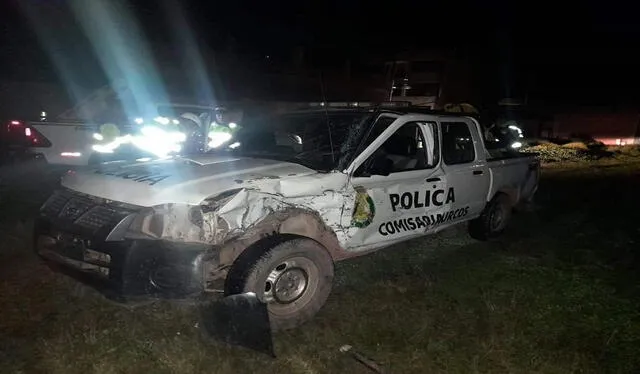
<point x="252" y="253"/>
<point x="278" y="227"/>
<point x="512" y="193"/>
<point x="479" y="227"/>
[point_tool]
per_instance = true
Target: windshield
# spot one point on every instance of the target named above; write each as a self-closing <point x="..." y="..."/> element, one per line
<point x="307" y="138"/>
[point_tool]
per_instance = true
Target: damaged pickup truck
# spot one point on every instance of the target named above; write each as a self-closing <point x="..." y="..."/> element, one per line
<point x="271" y="210"/>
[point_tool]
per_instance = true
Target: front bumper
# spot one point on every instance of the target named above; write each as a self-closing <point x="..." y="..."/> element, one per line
<point x="125" y="270"/>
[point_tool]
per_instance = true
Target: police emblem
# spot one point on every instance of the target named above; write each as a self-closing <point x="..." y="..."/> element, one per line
<point x="364" y="209"/>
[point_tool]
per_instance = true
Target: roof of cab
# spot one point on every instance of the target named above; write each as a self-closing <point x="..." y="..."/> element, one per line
<point x="397" y="111"/>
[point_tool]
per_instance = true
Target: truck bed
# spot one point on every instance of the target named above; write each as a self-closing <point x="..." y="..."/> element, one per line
<point x="515" y="173"/>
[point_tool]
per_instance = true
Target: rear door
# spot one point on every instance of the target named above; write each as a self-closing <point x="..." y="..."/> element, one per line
<point x="399" y="202"/>
<point x="464" y="164"/>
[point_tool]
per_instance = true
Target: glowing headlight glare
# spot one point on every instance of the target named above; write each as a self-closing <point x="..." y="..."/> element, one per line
<point x="101" y="148"/>
<point x="516" y="145"/>
<point x="162" y="120"/>
<point x="151" y="131"/>
<point x="110" y="147"/>
<point x="516" y="128"/>
<point x="97" y="136"/>
<point x="178" y="136"/>
<point x="158" y="141"/>
<point x="232" y="125"/>
<point x="139" y="120"/>
<point x="216" y="139"/>
<point x="152" y="139"/>
<point x="176" y="122"/>
<point x="234" y="145"/>
<point x="162" y="135"/>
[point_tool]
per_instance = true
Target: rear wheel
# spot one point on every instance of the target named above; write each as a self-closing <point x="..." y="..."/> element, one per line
<point x="293" y="277"/>
<point x="493" y="220"/>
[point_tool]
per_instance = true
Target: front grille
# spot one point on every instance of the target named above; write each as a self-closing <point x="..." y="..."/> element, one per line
<point x="74" y="208"/>
<point x="55" y="203"/>
<point x="100" y="216"/>
<point x="83" y="211"/>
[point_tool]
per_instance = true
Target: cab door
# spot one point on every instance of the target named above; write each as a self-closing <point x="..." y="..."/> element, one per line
<point x="399" y="183"/>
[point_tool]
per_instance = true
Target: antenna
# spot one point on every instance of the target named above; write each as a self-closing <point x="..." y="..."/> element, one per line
<point x="326" y="114"/>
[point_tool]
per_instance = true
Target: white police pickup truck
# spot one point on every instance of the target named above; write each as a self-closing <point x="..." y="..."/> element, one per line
<point x="273" y="209"/>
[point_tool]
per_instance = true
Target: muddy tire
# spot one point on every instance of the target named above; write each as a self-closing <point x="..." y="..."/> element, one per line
<point x="292" y="275"/>
<point x="493" y="220"/>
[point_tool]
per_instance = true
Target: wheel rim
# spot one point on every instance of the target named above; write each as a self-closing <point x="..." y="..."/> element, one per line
<point x="290" y="285"/>
<point x="497" y="218"/>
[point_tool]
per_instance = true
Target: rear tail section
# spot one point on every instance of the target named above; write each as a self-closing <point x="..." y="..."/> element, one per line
<point x="19" y="134"/>
<point x="35" y="139"/>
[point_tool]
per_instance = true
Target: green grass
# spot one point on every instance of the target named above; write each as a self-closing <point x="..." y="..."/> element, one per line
<point x="558" y="293"/>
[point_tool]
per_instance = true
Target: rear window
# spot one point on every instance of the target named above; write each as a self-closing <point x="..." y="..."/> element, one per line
<point x="457" y="144"/>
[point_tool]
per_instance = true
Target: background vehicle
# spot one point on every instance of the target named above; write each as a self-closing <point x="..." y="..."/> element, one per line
<point x="273" y="209"/>
<point x="71" y="143"/>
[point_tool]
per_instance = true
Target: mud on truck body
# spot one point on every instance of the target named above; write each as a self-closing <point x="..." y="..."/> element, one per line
<point x="272" y="210"/>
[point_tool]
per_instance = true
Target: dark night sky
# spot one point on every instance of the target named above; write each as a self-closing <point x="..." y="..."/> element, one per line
<point x="578" y="52"/>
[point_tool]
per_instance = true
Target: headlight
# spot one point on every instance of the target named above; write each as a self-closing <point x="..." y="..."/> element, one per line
<point x="176" y="221"/>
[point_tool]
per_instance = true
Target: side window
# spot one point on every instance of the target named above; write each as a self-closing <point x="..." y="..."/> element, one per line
<point x="405" y="150"/>
<point x="457" y="144"/>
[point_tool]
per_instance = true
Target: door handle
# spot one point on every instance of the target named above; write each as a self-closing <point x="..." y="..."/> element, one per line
<point x="478" y="172"/>
<point x="433" y="180"/>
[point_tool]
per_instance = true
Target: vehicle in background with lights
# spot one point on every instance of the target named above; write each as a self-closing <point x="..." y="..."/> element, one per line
<point x="158" y="138"/>
<point x="271" y="210"/>
<point x="179" y="129"/>
<point x="61" y="143"/>
<point x="17" y="138"/>
<point x="203" y="125"/>
<point x="502" y="140"/>
<point x="72" y="142"/>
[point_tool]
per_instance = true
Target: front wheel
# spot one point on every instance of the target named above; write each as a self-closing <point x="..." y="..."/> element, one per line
<point x="293" y="277"/>
<point x="493" y="220"/>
